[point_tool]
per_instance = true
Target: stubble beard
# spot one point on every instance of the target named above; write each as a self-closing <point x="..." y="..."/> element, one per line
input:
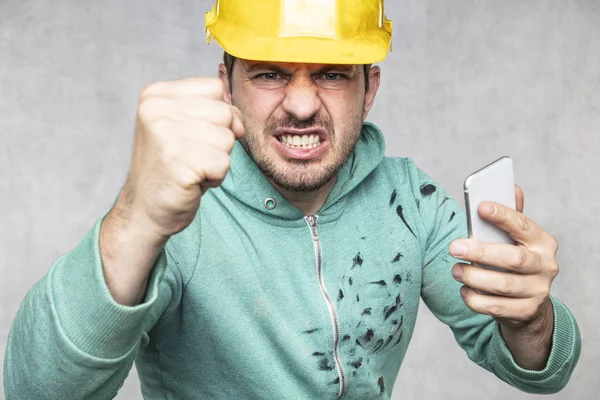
<point x="302" y="175"/>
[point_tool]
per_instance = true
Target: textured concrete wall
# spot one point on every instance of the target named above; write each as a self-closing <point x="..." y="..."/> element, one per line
<point x="467" y="82"/>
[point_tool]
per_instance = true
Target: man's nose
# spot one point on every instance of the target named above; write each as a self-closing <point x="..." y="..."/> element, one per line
<point x="302" y="98"/>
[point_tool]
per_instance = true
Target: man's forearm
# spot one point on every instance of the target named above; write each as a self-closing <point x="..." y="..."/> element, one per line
<point x="128" y="253"/>
<point x="531" y="344"/>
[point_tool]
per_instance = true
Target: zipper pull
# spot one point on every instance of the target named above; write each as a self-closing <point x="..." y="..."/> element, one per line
<point x="312" y="222"/>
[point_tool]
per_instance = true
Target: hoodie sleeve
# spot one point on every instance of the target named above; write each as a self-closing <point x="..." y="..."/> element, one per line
<point x="479" y="335"/>
<point x="70" y="339"/>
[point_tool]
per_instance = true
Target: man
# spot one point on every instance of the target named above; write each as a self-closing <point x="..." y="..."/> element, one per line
<point x="288" y="264"/>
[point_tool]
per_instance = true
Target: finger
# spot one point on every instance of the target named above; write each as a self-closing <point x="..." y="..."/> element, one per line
<point x="206" y="87"/>
<point x="517" y="259"/>
<point x="519" y="198"/>
<point x="500" y="283"/>
<point x="212" y="165"/>
<point x="522" y="229"/>
<point x="520" y="309"/>
<point x="202" y="108"/>
<point x="237" y="125"/>
<point x="215" y="111"/>
<point x="199" y="131"/>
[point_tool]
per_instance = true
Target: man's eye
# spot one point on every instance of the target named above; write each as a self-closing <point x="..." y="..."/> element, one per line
<point x="332" y="76"/>
<point x="270" y="76"/>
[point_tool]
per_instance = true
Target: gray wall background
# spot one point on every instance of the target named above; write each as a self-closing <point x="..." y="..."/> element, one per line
<point x="467" y="82"/>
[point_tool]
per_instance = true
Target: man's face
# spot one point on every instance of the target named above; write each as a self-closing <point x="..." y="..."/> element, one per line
<point x="302" y="120"/>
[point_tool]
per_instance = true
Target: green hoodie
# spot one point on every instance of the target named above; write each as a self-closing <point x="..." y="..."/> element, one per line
<point x="252" y="302"/>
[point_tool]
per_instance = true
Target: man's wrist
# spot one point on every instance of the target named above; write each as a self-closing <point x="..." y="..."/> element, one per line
<point x="128" y="253"/>
<point x="531" y="343"/>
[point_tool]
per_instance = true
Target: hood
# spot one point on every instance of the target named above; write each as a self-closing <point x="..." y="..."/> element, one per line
<point x="247" y="184"/>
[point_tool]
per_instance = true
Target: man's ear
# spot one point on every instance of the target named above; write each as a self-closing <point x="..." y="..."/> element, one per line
<point x="224" y="76"/>
<point x="374" y="79"/>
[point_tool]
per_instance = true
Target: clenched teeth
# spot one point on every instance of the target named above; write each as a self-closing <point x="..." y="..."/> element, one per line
<point x="300" y="142"/>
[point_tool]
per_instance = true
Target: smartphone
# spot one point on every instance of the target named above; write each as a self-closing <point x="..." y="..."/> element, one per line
<point x="494" y="182"/>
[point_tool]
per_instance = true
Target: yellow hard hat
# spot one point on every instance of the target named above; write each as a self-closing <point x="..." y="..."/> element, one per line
<point x="304" y="31"/>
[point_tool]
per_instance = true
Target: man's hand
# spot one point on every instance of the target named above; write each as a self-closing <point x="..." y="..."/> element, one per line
<point x="185" y="132"/>
<point x="184" y="135"/>
<point x="521" y="301"/>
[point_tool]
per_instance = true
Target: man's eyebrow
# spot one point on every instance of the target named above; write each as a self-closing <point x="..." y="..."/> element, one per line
<point x="347" y="68"/>
<point x="266" y="67"/>
<point x="253" y="67"/>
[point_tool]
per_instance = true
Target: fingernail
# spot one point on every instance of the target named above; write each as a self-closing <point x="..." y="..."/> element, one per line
<point x="457" y="271"/>
<point x="463" y="291"/>
<point x="488" y="208"/>
<point x="458" y="249"/>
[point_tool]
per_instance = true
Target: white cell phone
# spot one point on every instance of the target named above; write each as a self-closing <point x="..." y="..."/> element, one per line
<point x="494" y="182"/>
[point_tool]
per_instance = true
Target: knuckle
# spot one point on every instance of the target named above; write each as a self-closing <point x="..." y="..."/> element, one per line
<point x="524" y="223"/>
<point x="150" y="90"/>
<point x="149" y="108"/>
<point x="505" y="286"/>
<point x="480" y="252"/>
<point x="554" y="269"/>
<point x="521" y="258"/>
<point x="553" y="243"/>
<point x="496" y="310"/>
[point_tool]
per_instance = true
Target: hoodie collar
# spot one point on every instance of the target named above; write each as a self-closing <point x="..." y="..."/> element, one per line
<point x="247" y="184"/>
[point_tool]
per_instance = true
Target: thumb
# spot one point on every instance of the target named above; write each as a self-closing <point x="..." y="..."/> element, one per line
<point x="237" y="126"/>
<point x="519" y="198"/>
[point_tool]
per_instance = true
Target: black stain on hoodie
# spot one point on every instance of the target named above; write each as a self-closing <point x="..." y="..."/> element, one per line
<point x="357" y="261"/>
<point x="340" y="295"/>
<point x="350" y="281"/>
<point x="452" y="216"/>
<point x="318" y="354"/>
<point x="397" y="258"/>
<point x="389" y="310"/>
<point x="397" y="279"/>
<point x="309" y="331"/>
<point x="378" y="345"/>
<point x="335" y="381"/>
<point x="399" y="339"/>
<point x="401" y="215"/>
<point x="443" y="201"/>
<point x="356" y="364"/>
<point x="366" y="311"/>
<point x="381" y="384"/>
<point x="381" y="283"/>
<point x="324" y="365"/>
<point x="369" y="335"/>
<point x="346" y="337"/>
<point x="389" y="339"/>
<point x="393" y="198"/>
<point x="428" y="189"/>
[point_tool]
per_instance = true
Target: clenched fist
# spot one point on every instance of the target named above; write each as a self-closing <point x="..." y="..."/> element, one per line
<point x="184" y="135"/>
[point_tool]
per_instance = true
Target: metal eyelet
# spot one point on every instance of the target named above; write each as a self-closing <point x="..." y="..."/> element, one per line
<point x="270" y="203"/>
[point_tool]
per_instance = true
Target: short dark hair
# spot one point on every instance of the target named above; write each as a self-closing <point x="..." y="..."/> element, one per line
<point x="229" y="60"/>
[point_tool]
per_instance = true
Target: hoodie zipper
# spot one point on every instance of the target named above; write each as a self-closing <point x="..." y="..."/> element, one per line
<point x="312" y="223"/>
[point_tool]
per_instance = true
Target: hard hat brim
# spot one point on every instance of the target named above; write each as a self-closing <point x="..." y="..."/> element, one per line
<point x="371" y="48"/>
